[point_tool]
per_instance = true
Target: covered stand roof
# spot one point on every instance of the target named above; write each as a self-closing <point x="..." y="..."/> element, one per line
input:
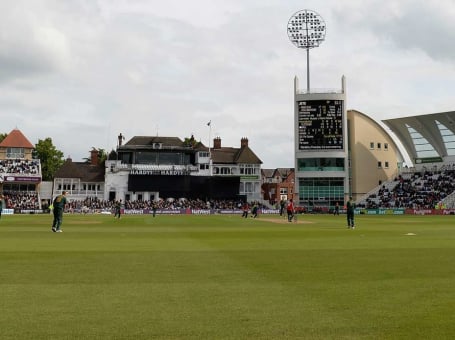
<point x="426" y="136"/>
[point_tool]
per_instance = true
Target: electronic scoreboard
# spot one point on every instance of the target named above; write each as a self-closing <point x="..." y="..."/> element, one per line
<point x="320" y="124"/>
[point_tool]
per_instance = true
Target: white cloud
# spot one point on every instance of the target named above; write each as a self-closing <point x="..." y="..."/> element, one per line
<point x="81" y="72"/>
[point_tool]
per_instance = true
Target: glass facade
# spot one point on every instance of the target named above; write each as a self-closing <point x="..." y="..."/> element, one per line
<point x="321" y="192"/>
<point x="320" y="164"/>
<point x="162" y="158"/>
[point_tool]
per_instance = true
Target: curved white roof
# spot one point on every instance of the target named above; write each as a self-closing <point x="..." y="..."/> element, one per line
<point x="426" y="136"/>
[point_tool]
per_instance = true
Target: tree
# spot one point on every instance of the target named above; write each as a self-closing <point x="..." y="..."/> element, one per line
<point x="102" y="156"/>
<point x="190" y="142"/>
<point x="3" y="136"/>
<point x="51" y="158"/>
<point x="112" y="155"/>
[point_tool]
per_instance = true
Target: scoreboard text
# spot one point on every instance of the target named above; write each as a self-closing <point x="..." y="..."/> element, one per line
<point x="320" y="124"/>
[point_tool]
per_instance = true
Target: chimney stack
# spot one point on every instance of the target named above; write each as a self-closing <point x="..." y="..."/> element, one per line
<point x="217" y="143"/>
<point x="121" y="138"/>
<point x="244" y="142"/>
<point x="94" y="157"/>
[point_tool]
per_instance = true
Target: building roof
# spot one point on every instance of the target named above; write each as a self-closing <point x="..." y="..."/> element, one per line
<point x="16" y="139"/>
<point x="152" y="140"/>
<point x="84" y="171"/>
<point x="430" y="135"/>
<point x="228" y="155"/>
<point x="268" y="173"/>
<point x="284" y="171"/>
<point x="220" y="155"/>
<point x="247" y="156"/>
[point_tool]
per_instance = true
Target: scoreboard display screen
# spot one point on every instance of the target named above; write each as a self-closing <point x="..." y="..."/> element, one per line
<point x="320" y="124"/>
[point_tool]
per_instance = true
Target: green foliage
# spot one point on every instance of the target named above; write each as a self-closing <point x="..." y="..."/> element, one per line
<point x="102" y="156"/>
<point x="224" y="277"/>
<point x="112" y="155"/>
<point x="190" y="142"/>
<point x="3" y="136"/>
<point x="51" y="158"/>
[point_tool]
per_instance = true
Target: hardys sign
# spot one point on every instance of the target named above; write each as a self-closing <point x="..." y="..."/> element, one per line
<point x="160" y="172"/>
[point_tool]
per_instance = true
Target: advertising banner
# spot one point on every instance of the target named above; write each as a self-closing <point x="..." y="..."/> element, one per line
<point x="22" y="179"/>
<point x="193" y="211"/>
<point x="399" y="211"/>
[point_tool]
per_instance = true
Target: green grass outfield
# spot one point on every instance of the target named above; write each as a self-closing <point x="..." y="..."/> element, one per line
<point x="224" y="277"/>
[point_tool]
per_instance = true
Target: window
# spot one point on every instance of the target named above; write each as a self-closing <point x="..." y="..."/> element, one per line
<point x="15" y="153"/>
<point x="93" y="187"/>
<point x="379" y="164"/>
<point x="379" y="146"/>
<point x="386" y="146"/>
<point x="320" y="164"/>
<point x="386" y="165"/>
<point x="371" y="146"/>
<point x="249" y="169"/>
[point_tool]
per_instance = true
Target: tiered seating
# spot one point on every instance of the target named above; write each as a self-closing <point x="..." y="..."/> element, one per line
<point x="416" y="190"/>
<point x="27" y="200"/>
<point x="20" y="166"/>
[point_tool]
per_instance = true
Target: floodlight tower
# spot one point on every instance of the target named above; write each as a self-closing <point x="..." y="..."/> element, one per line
<point x="306" y="29"/>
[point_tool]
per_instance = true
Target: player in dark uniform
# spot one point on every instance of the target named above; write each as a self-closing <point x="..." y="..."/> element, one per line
<point x="59" y="206"/>
<point x="350" y="206"/>
<point x="118" y="208"/>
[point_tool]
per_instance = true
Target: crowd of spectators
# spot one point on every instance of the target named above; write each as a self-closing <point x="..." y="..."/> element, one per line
<point x="89" y="204"/>
<point x="24" y="200"/>
<point x="416" y="190"/>
<point x="172" y="204"/>
<point x="419" y="190"/>
<point x="30" y="201"/>
<point x="20" y="166"/>
<point x="93" y="204"/>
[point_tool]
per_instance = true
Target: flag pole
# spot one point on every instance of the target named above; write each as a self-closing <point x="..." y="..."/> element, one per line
<point x="210" y="151"/>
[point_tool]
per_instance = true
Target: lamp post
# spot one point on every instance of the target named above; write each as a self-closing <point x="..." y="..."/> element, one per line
<point x="306" y="29"/>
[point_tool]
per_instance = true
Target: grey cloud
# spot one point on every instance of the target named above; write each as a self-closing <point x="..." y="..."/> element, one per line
<point x="409" y="25"/>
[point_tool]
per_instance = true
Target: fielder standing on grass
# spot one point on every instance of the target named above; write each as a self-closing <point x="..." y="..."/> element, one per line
<point x="1" y="205"/>
<point x="350" y="206"/>
<point x="59" y="206"/>
<point x="290" y="210"/>
<point x="117" y="209"/>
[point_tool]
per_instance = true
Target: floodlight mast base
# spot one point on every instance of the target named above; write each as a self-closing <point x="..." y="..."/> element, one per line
<point x="308" y="70"/>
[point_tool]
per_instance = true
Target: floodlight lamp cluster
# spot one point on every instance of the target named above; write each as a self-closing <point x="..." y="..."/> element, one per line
<point x="306" y="29"/>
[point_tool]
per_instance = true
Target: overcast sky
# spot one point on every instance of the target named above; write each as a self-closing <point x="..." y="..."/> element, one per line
<point x="83" y="71"/>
